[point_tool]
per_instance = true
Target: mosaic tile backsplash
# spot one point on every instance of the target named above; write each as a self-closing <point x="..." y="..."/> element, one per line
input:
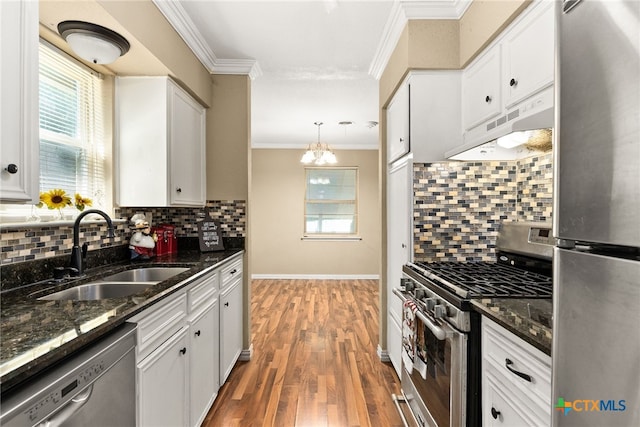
<point x="458" y="206"/>
<point x="26" y="244"/>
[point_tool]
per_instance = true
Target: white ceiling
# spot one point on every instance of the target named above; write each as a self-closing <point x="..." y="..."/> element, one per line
<point x="310" y="60"/>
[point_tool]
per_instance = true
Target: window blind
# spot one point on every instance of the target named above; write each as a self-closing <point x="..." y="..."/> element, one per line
<point x="72" y="146"/>
<point x="331" y="201"/>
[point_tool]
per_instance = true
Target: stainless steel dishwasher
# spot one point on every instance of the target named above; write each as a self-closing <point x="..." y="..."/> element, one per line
<point x="95" y="387"/>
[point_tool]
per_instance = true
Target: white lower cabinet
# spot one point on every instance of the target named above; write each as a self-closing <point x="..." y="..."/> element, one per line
<point x="516" y="380"/>
<point x="162" y="384"/>
<point x="230" y="327"/>
<point x="204" y="374"/>
<point x="394" y="342"/>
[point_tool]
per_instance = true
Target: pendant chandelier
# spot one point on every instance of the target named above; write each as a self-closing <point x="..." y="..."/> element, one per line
<point x="318" y="153"/>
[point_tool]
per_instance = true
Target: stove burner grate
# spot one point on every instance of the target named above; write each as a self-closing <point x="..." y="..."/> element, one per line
<point x="488" y="280"/>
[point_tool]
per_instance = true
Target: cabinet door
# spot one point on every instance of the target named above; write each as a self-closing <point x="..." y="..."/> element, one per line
<point x="204" y="365"/>
<point x="529" y="54"/>
<point x="394" y="342"/>
<point x="501" y="409"/>
<point x="187" y="149"/>
<point x="162" y="384"/>
<point x="19" y="144"/>
<point x="230" y="328"/>
<point x="481" y="97"/>
<point x="399" y="236"/>
<point x="398" y="142"/>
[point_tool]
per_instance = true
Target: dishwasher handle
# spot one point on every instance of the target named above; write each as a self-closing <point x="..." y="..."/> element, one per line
<point x="68" y="410"/>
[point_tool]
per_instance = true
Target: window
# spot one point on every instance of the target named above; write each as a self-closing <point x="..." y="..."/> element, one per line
<point x="72" y="148"/>
<point x="331" y="204"/>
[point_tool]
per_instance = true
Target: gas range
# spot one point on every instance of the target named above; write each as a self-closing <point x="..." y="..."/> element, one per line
<point x="522" y="270"/>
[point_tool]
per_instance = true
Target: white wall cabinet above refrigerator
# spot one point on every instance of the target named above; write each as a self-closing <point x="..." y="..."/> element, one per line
<point x="19" y="144"/>
<point x="424" y="116"/>
<point x="160" y="144"/>
<point x="516" y="66"/>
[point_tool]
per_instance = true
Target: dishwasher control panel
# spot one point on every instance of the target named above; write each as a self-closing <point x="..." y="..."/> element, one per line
<point x="48" y="404"/>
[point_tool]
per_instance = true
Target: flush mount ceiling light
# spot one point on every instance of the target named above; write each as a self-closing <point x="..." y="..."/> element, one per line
<point x="92" y="42"/>
<point x="318" y="153"/>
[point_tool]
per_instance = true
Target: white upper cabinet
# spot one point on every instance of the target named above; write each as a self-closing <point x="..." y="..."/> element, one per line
<point x="398" y="124"/>
<point x="19" y="144"/>
<point x="529" y="55"/>
<point x="424" y="116"/>
<point x="481" y="89"/>
<point x="517" y="66"/>
<point x="160" y="144"/>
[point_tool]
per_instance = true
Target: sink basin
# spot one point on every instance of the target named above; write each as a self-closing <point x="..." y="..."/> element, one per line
<point x="146" y="274"/>
<point x="98" y="291"/>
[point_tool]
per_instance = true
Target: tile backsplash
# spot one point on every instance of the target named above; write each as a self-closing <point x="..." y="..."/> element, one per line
<point x="26" y="243"/>
<point x="458" y="206"/>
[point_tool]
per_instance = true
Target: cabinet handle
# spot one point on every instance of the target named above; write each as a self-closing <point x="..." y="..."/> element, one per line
<point x="12" y="168"/>
<point x="495" y="414"/>
<point x="183" y="350"/>
<point x="508" y="363"/>
<point x="404" y="246"/>
<point x="234" y="271"/>
<point x="401" y="139"/>
<point x="197" y="333"/>
<point x="487" y="99"/>
<point x="226" y="304"/>
<point x="179" y="190"/>
<point x="513" y="82"/>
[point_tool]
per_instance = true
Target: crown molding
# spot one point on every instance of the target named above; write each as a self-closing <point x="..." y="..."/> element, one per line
<point x="403" y="11"/>
<point x="184" y="26"/>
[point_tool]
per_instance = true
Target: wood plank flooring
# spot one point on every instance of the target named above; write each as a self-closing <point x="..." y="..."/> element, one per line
<point x="314" y="361"/>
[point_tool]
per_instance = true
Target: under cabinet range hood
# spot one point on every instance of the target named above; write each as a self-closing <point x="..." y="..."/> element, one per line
<point x="494" y="140"/>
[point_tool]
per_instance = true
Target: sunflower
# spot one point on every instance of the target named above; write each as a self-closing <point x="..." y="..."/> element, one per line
<point x="82" y="202"/>
<point x="55" y="199"/>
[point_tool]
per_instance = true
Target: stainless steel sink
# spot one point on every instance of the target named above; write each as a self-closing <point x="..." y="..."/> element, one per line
<point x="98" y="291"/>
<point x="146" y="274"/>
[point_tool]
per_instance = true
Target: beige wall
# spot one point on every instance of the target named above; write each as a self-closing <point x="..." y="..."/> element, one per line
<point x="228" y="138"/>
<point x="276" y="217"/>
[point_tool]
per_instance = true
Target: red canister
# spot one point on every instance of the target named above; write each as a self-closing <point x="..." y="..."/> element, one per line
<point x="162" y="245"/>
<point x="171" y="238"/>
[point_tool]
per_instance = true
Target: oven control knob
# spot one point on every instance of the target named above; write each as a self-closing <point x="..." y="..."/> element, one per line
<point x="431" y="302"/>
<point x="439" y="311"/>
<point x="420" y="294"/>
<point x="409" y="286"/>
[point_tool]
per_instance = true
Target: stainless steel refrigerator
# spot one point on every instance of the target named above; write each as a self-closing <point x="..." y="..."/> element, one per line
<point x="596" y="324"/>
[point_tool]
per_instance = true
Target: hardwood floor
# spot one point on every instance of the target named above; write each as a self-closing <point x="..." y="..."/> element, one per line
<point x="314" y="360"/>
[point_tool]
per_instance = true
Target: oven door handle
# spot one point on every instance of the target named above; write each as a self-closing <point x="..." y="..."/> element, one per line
<point x="436" y="330"/>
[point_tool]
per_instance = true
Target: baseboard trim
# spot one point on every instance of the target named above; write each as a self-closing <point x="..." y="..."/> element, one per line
<point x="246" y="354"/>
<point x="383" y="355"/>
<point x="317" y="276"/>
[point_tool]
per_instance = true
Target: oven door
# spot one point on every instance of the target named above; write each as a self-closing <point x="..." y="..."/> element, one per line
<point x="436" y="386"/>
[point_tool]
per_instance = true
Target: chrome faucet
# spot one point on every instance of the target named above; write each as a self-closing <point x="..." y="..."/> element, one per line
<point x="78" y="254"/>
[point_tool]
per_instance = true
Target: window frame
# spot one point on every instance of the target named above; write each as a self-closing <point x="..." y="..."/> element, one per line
<point x="355" y="202"/>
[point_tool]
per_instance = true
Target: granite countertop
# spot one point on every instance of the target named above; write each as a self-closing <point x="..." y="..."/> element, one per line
<point x="35" y="334"/>
<point x="530" y="319"/>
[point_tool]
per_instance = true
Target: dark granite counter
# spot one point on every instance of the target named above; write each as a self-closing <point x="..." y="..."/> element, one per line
<point x="36" y="334"/>
<point x="530" y="319"/>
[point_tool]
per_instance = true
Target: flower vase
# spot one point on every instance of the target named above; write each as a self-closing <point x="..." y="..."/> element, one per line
<point x="34" y="216"/>
<point x="57" y="215"/>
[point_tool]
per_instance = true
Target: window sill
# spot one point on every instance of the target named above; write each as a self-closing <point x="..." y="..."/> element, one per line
<point x="332" y="238"/>
<point x="62" y="223"/>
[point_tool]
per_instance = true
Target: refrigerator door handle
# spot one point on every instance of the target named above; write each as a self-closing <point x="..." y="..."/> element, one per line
<point x="567" y="5"/>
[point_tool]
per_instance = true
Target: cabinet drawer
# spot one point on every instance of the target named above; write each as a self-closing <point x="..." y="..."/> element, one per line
<point x="506" y="355"/>
<point x="230" y="272"/>
<point x="503" y="408"/>
<point x="161" y="322"/>
<point x="203" y="291"/>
